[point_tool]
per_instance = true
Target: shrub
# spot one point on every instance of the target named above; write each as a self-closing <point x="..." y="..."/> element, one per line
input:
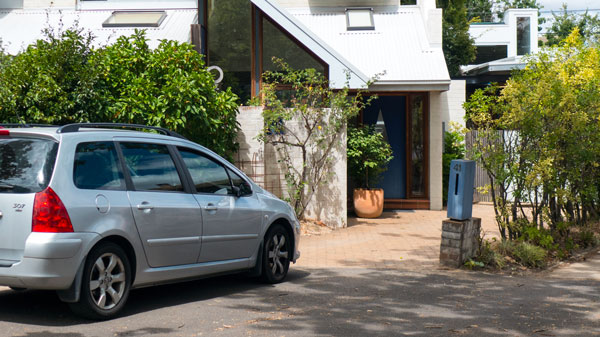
<point x="368" y="155"/>
<point x="529" y="255"/>
<point x="454" y="148"/>
<point x="488" y="256"/>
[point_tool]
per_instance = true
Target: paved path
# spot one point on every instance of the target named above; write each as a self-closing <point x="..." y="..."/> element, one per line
<point x="397" y="240"/>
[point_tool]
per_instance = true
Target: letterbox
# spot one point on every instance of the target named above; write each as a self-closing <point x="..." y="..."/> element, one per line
<point x="460" y="189"/>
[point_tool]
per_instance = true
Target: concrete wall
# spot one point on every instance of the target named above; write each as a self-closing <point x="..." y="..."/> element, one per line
<point x="452" y="103"/>
<point x="260" y="162"/>
<point x="505" y="33"/>
<point x="437" y="104"/>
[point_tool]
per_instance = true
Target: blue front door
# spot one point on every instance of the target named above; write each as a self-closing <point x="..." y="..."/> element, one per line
<point x="389" y="113"/>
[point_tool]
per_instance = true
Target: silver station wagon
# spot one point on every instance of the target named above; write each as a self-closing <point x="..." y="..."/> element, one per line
<point x="92" y="211"/>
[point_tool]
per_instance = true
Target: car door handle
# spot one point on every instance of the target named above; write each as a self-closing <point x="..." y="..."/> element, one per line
<point x="211" y="207"/>
<point x="145" y="206"/>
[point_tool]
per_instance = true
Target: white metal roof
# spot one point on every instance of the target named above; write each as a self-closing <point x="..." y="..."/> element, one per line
<point x="397" y="47"/>
<point x="19" y="28"/>
<point x="505" y="65"/>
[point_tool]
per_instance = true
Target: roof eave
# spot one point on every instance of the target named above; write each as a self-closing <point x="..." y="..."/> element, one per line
<point x="418" y="85"/>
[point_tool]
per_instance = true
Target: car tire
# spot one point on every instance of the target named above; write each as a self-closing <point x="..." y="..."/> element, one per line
<point x="106" y="283"/>
<point x="276" y="254"/>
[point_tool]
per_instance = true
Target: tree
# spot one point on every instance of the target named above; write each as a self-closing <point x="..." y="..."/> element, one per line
<point x="306" y="121"/>
<point x="547" y="154"/>
<point x="564" y="23"/>
<point x="169" y="87"/>
<point x="493" y="10"/>
<point x="62" y="79"/>
<point x="52" y="81"/>
<point x="458" y="46"/>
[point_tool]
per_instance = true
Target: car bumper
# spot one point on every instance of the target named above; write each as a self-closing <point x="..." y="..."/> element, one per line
<point x="50" y="261"/>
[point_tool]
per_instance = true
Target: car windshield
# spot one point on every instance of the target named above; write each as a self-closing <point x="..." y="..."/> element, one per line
<point x="26" y="164"/>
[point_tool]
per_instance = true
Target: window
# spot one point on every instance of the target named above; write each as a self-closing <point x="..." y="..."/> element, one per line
<point x="359" y="19"/>
<point x="240" y="183"/>
<point x="208" y="176"/>
<point x="96" y="167"/>
<point x="151" y="167"/>
<point x="408" y="2"/>
<point x="26" y="164"/>
<point x="135" y="19"/>
<point x="278" y="44"/>
<point x="230" y="43"/>
<point x="523" y="35"/>
<point x="490" y="53"/>
<point x="417" y="154"/>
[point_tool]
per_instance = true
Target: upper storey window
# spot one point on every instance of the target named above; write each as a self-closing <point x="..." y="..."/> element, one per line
<point x="135" y="19"/>
<point x="359" y="19"/>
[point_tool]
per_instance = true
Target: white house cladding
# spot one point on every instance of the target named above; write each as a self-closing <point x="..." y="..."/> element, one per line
<point x="401" y="44"/>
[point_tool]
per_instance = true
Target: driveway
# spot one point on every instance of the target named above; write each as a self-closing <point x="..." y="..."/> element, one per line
<point x="408" y="240"/>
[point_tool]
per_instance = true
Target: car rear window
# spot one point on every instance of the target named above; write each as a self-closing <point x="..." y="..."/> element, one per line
<point x="26" y="164"/>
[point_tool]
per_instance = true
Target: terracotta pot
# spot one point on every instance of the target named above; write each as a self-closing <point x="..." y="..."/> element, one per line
<point x="368" y="203"/>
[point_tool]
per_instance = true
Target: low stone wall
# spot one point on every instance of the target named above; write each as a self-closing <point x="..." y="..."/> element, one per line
<point x="460" y="241"/>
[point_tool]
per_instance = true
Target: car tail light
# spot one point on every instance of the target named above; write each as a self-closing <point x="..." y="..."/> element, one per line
<point x="50" y="214"/>
<point x="4" y="132"/>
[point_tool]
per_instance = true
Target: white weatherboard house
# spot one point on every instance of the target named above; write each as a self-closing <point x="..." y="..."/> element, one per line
<point x="344" y="39"/>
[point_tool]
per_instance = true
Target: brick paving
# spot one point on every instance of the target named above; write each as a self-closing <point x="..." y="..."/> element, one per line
<point x="397" y="240"/>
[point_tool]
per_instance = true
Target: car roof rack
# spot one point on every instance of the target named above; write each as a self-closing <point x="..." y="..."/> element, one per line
<point x="26" y="125"/>
<point x="76" y="126"/>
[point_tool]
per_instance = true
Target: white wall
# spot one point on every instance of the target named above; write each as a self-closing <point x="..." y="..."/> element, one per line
<point x="9" y="4"/>
<point x="506" y="33"/>
<point x="452" y="103"/>
<point x="259" y="162"/>
<point x="437" y="104"/>
<point x="49" y="3"/>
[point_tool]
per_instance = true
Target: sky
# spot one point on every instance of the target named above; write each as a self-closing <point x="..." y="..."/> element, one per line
<point x="556" y="5"/>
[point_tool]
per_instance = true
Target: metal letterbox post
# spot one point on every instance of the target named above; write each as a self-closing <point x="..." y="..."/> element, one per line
<point x="460" y="189"/>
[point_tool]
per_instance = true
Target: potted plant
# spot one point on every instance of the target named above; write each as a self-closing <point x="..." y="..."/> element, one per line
<point x="368" y="155"/>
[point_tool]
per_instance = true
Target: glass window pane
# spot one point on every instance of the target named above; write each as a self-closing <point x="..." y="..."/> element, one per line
<point x="523" y="35"/>
<point x="359" y="19"/>
<point x="230" y="43"/>
<point x="490" y="53"/>
<point x="240" y="183"/>
<point x="26" y="164"/>
<point x="135" y="19"/>
<point x="96" y="167"/>
<point x="151" y="167"/>
<point x="208" y="175"/>
<point x="277" y="44"/>
<point x="417" y="180"/>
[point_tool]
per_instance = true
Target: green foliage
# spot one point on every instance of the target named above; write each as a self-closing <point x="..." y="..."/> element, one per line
<point x="565" y="22"/>
<point x="52" y="81"/>
<point x="480" y="10"/>
<point x="61" y="79"/>
<point x="471" y="264"/>
<point x="534" y="235"/>
<point x="548" y="154"/>
<point x="309" y="119"/>
<point x="493" y="10"/>
<point x="454" y="148"/>
<point x="368" y="155"/>
<point x="168" y="87"/>
<point x="487" y="256"/>
<point x="587" y="238"/>
<point x="458" y="46"/>
<point x="529" y="255"/>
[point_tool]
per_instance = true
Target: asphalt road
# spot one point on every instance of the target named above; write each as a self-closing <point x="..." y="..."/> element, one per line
<point x="338" y="302"/>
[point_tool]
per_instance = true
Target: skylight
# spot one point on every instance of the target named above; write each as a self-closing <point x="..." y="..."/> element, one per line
<point x="359" y="19"/>
<point x="135" y="19"/>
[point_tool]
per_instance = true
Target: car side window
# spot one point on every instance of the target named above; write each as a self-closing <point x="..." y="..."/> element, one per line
<point x="208" y="176"/>
<point x="96" y="167"/>
<point x="240" y="183"/>
<point x="151" y="167"/>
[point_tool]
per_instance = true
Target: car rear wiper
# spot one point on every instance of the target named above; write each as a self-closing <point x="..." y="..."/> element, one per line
<point x="6" y="186"/>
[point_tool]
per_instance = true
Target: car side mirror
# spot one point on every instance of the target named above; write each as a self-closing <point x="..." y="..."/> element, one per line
<point x="242" y="190"/>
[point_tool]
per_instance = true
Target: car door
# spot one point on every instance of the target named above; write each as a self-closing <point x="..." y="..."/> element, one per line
<point x="168" y="219"/>
<point x="231" y="215"/>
